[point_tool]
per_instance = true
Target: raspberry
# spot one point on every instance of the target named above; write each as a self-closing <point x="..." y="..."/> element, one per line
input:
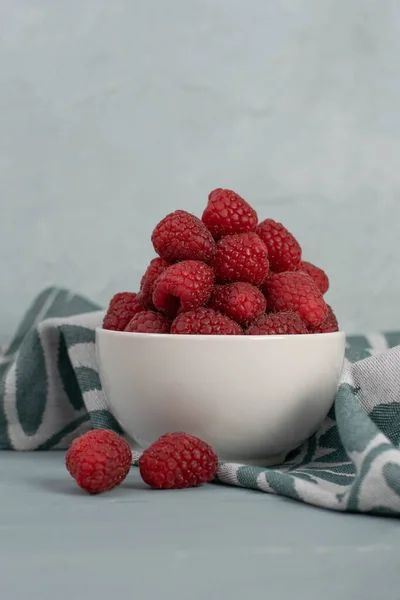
<point x="297" y="292"/>
<point x="182" y="236"/>
<point x="319" y="276"/>
<point x="280" y="323"/>
<point x="149" y="322"/>
<point x="183" y="286"/>
<point x="227" y="213"/>
<point x="284" y="252"/>
<point x="122" y="308"/>
<point x="241" y="257"/>
<point x="178" y="460"/>
<point x="99" y="460"/>
<point x="239" y="301"/>
<point x="153" y="271"/>
<point x="204" y="321"/>
<point x="330" y="325"/>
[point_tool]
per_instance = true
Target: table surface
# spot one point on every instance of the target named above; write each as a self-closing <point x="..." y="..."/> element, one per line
<point x="209" y="543"/>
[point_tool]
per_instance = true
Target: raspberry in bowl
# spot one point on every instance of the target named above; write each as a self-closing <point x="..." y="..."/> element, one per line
<point x="229" y="339"/>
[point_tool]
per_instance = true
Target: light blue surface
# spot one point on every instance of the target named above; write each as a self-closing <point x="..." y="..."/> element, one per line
<point x="208" y="543"/>
<point x="114" y="113"/>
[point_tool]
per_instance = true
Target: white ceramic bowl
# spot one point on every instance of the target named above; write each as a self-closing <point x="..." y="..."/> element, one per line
<point x="253" y="398"/>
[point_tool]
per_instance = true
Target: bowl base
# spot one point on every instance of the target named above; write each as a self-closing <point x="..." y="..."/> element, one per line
<point x="271" y="461"/>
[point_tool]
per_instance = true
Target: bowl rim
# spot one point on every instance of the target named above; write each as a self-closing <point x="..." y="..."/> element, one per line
<point x="155" y="336"/>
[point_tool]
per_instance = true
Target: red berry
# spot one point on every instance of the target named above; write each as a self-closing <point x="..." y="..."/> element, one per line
<point x="281" y="323"/>
<point x="183" y="286"/>
<point x="297" y="292"/>
<point x="149" y="321"/>
<point x="153" y="271"/>
<point x="316" y="273"/>
<point x="99" y="460"/>
<point x="182" y="236"/>
<point x="239" y="301"/>
<point x="204" y="321"/>
<point x="330" y="325"/>
<point x="241" y="257"/>
<point x="284" y="252"/>
<point x="122" y="308"/>
<point x="178" y="460"/>
<point x="227" y="213"/>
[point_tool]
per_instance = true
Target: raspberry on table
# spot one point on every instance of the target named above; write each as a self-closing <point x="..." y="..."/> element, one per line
<point x="149" y="321"/>
<point x="239" y="301"/>
<point x="99" y="460"/>
<point x="240" y="257"/>
<point x="182" y="236"/>
<point x="280" y="323"/>
<point x="329" y="325"/>
<point x="227" y="213"/>
<point x="296" y="291"/>
<point x="204" y="321"/>
<point x="153" y="271"/>
<point x="183" y="286"/>
<point x="178" y="460"/>
<point x="316" y="273"/>
<point x="122" y="308"/>
<point x="284" y="251"/>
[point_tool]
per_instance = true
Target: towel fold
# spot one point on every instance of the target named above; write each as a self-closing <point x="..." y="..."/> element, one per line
<point x="50" y="392"/>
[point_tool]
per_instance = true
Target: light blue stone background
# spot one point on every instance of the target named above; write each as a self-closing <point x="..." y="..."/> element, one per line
<point x="114" y="113"/>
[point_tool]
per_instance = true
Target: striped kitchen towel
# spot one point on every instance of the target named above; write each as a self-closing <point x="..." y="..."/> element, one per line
<point x="50" y="392"/>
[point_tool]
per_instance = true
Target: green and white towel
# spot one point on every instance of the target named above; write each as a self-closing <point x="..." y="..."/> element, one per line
<point x="50" y="392"/>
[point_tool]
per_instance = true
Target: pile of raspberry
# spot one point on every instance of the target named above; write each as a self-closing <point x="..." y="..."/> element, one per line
<point x="225" y="274"/>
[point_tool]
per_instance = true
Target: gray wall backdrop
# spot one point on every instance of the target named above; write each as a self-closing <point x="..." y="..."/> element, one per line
<point x="114" y="113"/>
